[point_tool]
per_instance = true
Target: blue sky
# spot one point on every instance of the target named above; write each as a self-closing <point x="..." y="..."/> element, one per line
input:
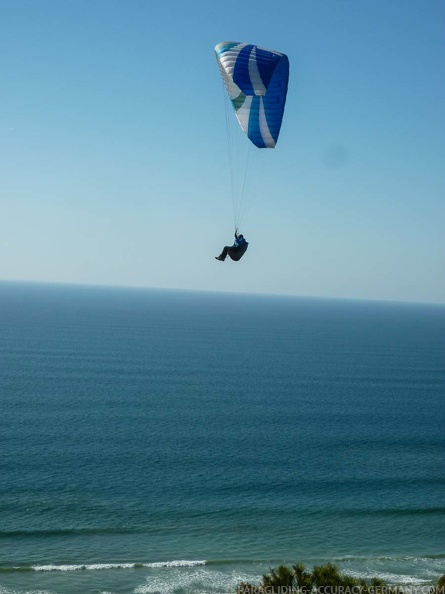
<point x="113" y="152"/>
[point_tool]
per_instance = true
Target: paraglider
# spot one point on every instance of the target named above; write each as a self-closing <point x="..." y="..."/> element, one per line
<point x="235" y="251"/>
<point x="256" y="80"/>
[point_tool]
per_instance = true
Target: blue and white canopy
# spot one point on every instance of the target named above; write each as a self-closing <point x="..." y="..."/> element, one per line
<point x="256" y="80"/>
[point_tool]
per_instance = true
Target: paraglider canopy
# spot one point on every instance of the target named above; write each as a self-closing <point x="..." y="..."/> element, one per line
<point x="256" y="80"/>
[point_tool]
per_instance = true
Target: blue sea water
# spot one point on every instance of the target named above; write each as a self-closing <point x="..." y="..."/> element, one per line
<point x="179" y="442"/>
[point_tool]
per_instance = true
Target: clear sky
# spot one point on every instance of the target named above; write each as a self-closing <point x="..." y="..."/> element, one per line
<point x="113" y="152"/>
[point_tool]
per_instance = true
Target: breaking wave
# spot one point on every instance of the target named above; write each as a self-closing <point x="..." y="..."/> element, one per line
<point x="104" y="566"/>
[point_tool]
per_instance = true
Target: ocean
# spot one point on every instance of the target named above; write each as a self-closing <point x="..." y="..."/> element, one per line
<point x="181" y="442"/>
